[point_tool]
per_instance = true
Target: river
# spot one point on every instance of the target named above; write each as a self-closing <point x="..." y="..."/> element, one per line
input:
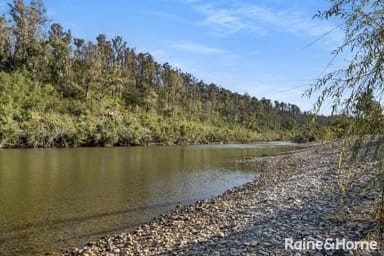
<point x="55" y="199"/>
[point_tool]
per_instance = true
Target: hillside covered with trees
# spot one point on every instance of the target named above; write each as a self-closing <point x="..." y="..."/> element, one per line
<point x="59" y="90"/>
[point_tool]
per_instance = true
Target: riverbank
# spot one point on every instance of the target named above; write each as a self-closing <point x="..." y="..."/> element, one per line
<point x="260" y="138"/>
<point x="299" y="195"/>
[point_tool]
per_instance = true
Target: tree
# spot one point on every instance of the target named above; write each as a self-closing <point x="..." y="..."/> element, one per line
<point x="364" y="38"/>
<point x="172" y="83"/>
<point x="355" y="90"/>
<point x="105" y="72"/>
<point x="103" y="84"/>
<point x="4" y="42"/>
<point x="27" y="23"/>
<point x="368" y="114"/>
<point x="59" y="63"/>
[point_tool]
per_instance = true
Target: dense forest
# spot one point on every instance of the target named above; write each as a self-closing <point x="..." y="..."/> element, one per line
<point x="59" y="90"/>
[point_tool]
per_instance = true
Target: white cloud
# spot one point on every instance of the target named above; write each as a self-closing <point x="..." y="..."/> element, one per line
<point x="197" y="48"/>
<point x="257" y="19"/>
<point x="227" y="21"/>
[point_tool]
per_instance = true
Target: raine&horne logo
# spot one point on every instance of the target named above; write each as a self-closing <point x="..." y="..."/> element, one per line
<point x="330" y="244"/>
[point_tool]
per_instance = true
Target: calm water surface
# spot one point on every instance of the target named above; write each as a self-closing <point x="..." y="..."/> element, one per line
<point x="55" y="199"/>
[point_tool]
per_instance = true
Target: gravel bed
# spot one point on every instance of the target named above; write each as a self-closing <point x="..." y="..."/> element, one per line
<point x="300" y="196"/>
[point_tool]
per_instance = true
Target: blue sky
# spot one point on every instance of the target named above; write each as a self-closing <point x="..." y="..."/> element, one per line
<point x="267" y="48"/>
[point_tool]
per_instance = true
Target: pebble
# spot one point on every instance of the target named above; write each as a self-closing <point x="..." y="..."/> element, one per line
<point x="296" y="196"/>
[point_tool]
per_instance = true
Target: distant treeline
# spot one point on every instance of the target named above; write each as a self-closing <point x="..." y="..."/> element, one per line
<point x="56" y="90"/>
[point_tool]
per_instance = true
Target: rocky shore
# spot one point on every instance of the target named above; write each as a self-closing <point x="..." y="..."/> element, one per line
<point x="300" y="196"/>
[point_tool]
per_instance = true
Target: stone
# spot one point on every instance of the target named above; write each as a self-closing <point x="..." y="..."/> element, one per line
<point x="297" y="196"/>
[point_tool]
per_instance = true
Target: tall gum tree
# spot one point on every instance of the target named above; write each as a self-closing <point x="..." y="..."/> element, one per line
<point x="27" y="22"/>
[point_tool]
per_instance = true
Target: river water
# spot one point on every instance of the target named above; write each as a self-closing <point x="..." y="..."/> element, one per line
<point x="55" y="199"/>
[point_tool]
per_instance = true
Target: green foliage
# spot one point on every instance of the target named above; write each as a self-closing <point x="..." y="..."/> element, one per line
<point x="356" y="91"/>
<point x="315" y="133"/>
<point x="59" y="91"/>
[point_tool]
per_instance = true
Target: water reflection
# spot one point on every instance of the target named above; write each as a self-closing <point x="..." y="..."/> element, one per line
<point x="52" y="199"/>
